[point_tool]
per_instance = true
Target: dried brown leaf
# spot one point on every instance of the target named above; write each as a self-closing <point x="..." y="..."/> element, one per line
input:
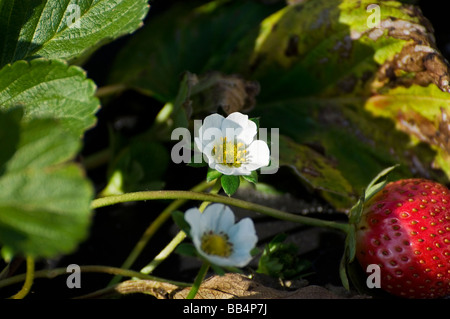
<point x="237" y="286"/>
<point x="420" y="61"/>
<point x="232" y="93"/>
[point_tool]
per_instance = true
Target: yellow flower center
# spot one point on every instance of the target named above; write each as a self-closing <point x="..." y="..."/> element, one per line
<point x="230" y="153"/>
<point x="216" y="244"/>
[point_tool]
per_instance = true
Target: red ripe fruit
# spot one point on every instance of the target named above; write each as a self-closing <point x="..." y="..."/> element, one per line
<point x="405" y="229"/>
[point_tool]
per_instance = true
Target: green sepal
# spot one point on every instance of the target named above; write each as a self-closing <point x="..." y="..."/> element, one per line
<point x="372" y="188"/>
<point x="230" y="183"/>
<point x="348" y="257"/>
<point x="252" y="178"/>
<point x="212" y="174"/>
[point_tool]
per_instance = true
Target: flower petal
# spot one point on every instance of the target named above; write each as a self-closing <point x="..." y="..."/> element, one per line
<point x="236" y="120"/>
<point x="193" y="217"/>
<point x="220" y="217"/>
<point x="243" y="233"/>
<point x="258" y="155"/>
<point x="198" y="143"/>
<point x="211" y="127"/>
<point x="207" y="151"/>
<point x="248" y="133"/>
<point x="231" y="170"/>
<point x="211" y="135"/>
<point x="219" y="261"/>
<point x="238" y="125"/>
<point x="213" y="120"/>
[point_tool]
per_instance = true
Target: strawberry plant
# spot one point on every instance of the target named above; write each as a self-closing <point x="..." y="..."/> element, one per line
<point x="100" y="104"/>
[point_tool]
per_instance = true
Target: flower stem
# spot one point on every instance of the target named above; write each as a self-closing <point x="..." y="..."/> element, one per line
<point x="110" y="90"/>
<point x="198" y="280"/>
<point x="52" y="273"/>
<point x="215" y="189"/>
<point x="154" y="195"/>
<point x="29" y="278"/>
<point x="164" y="253"/>
<point x="178" y="238"/>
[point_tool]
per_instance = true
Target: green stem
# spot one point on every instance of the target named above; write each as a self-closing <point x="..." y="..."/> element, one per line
<point x="29" y="278"/>
<point x="178" y="238"/>
<point x="52" y="273"/>
<point x="215" y="190"/>
<point x="154" y="195"/>
<point x="164" y="253"/>
<point x="198" y="280"/>
<point x="110" y="90"/>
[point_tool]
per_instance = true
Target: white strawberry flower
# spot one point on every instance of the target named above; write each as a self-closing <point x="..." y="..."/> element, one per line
<point x="230" y="144"/>
<point x="218" y="239"/>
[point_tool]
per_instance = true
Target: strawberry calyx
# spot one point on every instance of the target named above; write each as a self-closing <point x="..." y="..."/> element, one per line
<point x="346" y="266"/>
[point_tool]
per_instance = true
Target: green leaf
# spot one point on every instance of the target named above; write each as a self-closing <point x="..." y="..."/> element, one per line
<point x="280" y="260"/>
<point x="178" y="218"/>
<point x="333" y="85"/>
<point x="64" y="29"/>
<point x="217" y="269"/>
<point x="230" y="183"/>
<point x="332" y="72"/>
<point x="50" y="89"/>
<point x="41" y="145"/>
<point x="188" y="37"/>
<point x="138" y="166"/>
<point x="314" y="168"/>
<point x="174" y="113"/>
<point x="9" y="135"/>
<point x="44" y="198"/>
<point x="422" y="113"/>
<point x="185" y="249"/>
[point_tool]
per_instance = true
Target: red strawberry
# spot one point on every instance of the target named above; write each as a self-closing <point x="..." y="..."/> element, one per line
<point x="405" y="229"/>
